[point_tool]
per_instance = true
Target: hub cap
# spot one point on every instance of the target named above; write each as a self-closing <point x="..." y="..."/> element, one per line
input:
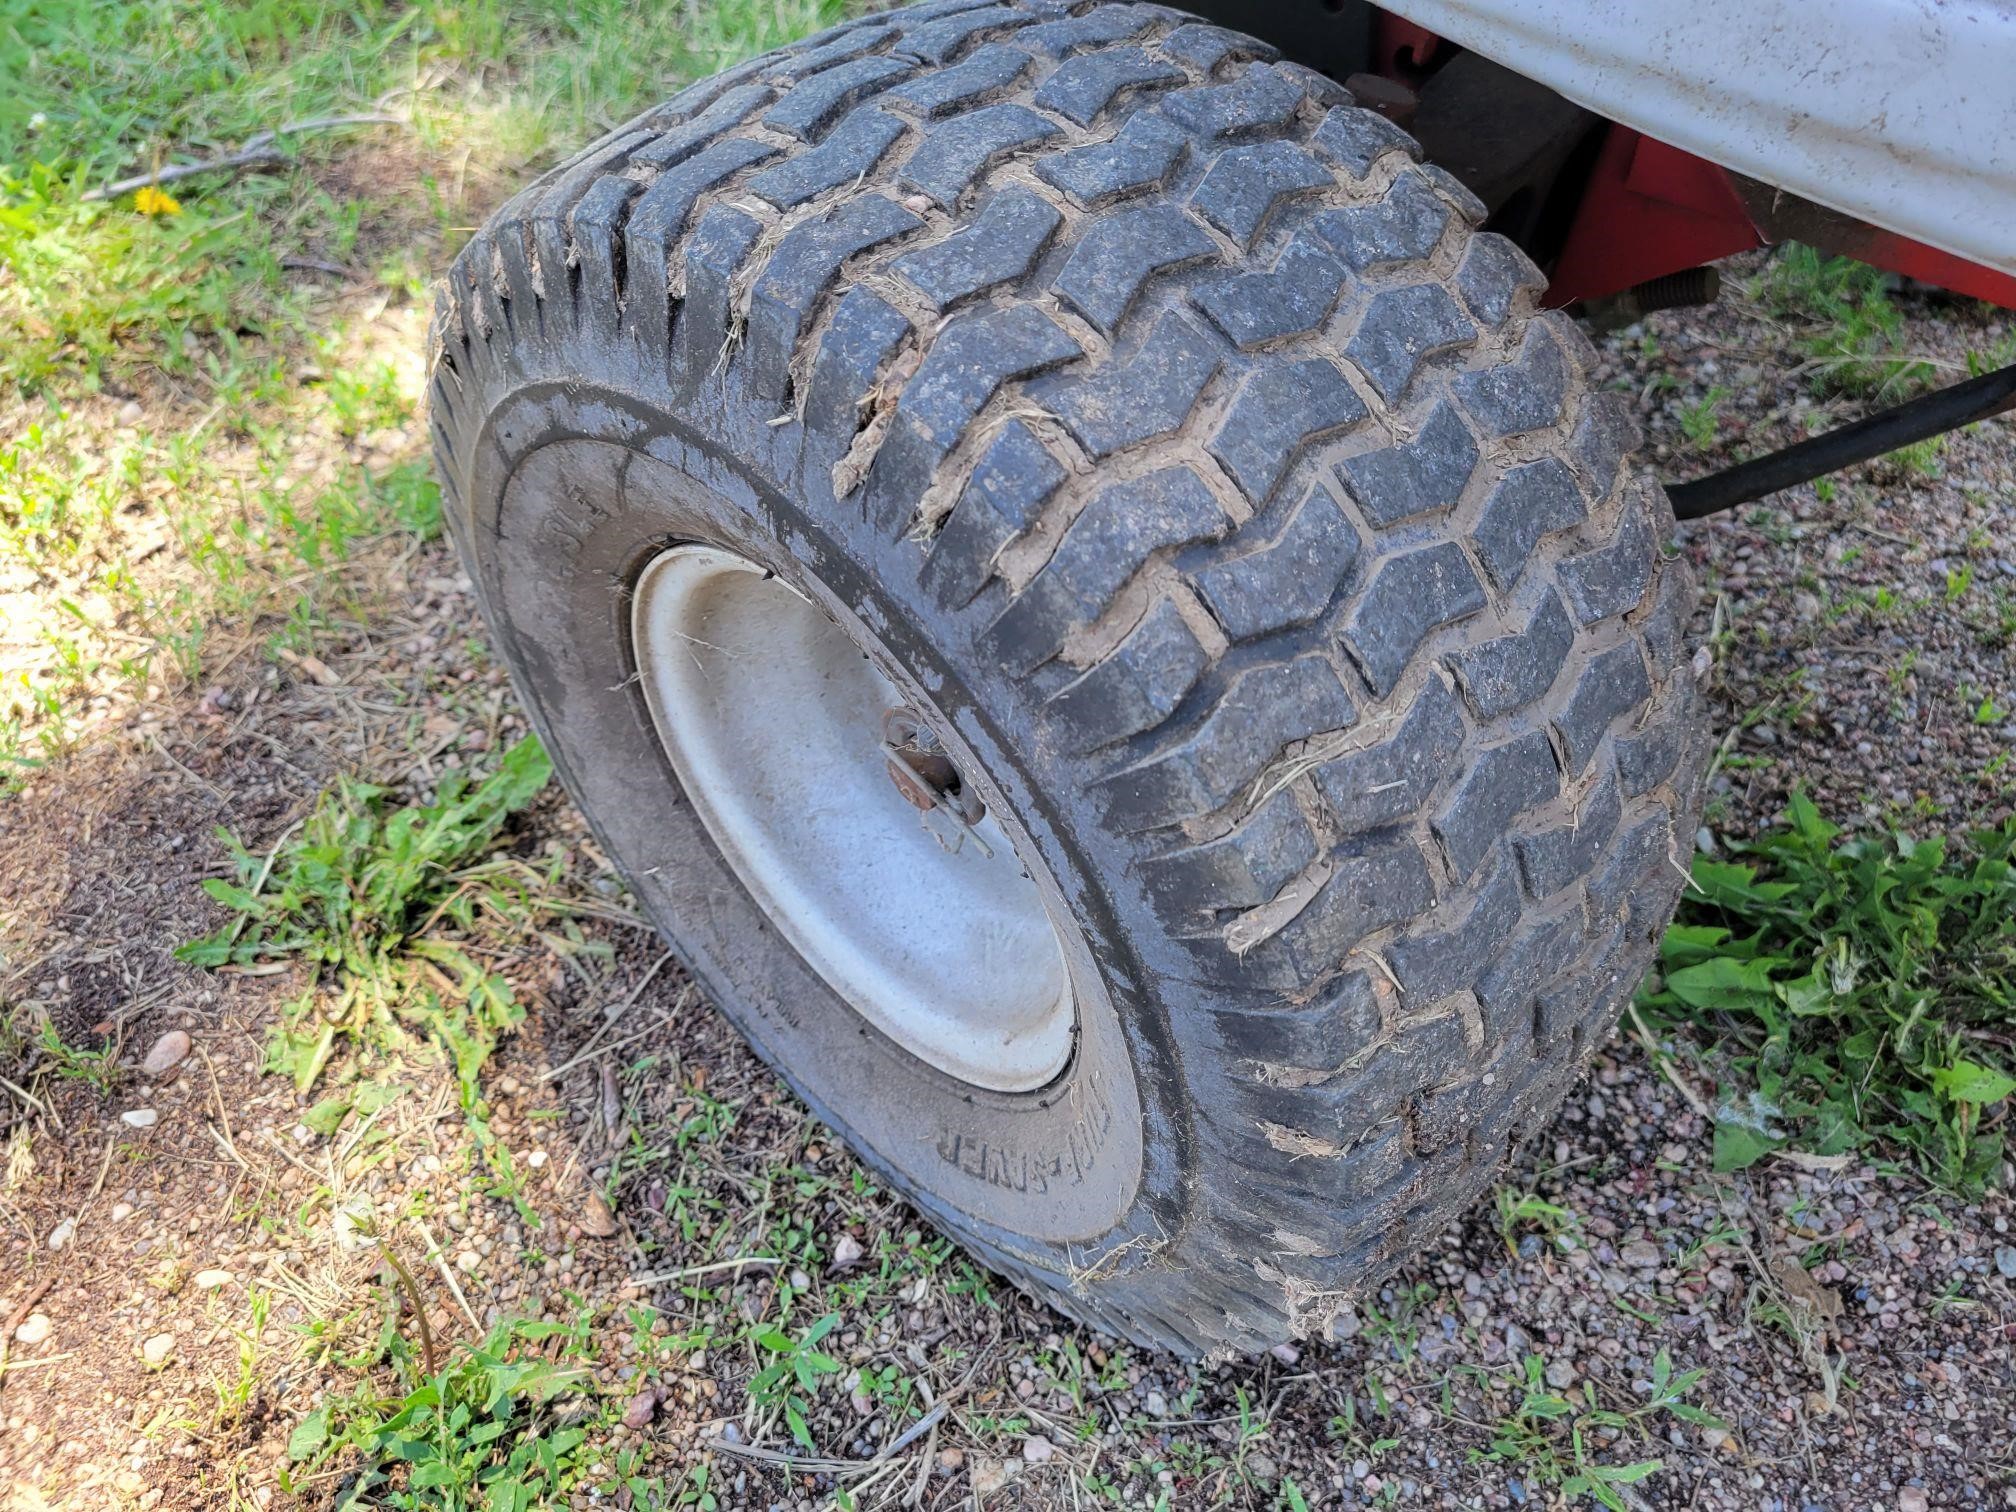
<point x="838" y="805"/>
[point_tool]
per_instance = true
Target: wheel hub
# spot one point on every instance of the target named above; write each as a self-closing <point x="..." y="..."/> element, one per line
<point x="839" y="805"/>
<point x="921" y="770"/>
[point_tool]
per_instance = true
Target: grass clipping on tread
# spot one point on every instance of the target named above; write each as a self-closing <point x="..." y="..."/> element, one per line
<point x="384" y="904"/>
<point x="1862" y="991"/>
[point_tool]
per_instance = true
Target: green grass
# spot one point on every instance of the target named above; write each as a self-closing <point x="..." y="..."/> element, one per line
<point x="95" y="1068"/>
<point x="1520" y="1212"/>
<point x="255" y="502"/>
<point x="1701" y="421"/>
<point x="486" y="1429"/>
<point x="98" y="92"/>
<point x="395" y="912"/>
<point x="158" y="552"/>
<point x="793" y="1370"/>
<point x="368" y="895"/>
<point x="1556" y="1437"/>
<point x="1849" y="329"/>
<point x="1860" y="990"/>
<point x="259" y="378"/>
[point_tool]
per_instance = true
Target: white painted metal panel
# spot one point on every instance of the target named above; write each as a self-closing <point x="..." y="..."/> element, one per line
<point x="1899" y="112"/>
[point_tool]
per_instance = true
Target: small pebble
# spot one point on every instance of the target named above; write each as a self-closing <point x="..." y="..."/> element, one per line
<point x="167" y="1053"/>
<point x="34" y="1329"/>
<point x="596" y="1218"/>
<point x="210" y="1280"/>
<point x="157" y="1349"/>
<point x="1640" y="1254"/>
<point x="643" y="1407"/>
<point x="1037" y="1450"/>
<point x="140" y="1118"/>
<point x="990" y="1475"/>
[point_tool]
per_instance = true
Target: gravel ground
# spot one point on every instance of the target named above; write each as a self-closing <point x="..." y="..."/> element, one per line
<point x="1865" y="646"/>
<point x="1852" y="1329"/>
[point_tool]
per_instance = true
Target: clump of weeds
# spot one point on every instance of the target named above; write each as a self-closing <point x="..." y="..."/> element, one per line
<point x="1862" y="990"/>
<point x="395" y="910"/>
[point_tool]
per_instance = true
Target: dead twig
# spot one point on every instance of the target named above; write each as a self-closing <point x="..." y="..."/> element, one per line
<point x="321" y="265"/>
<point x="434" y="1248"/>
<point x="822" y="1464"/>
<point x="616" y="1014"/>
<point x="14" y="1321"/>
<point x="752" y="1262"/>
<point x="26" y="1096"/>
<point x="1665" y="1064"/>
<point x="915" y="1498"/>
<point x="168" y="756"/>
<point x="257" y="152"/>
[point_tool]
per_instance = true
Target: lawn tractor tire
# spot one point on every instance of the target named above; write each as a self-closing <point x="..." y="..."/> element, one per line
<point x="1121" y="646"/>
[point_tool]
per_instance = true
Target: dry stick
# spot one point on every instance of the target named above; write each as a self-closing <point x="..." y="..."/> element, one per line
<point x="169" y="756"/>
<point x="335" y="270"/>
<point x="810" y="1464"/>
<point x="26" y="1096"/>
<point x="412" y="1299"/>
<point x="258" y="152"/>
<point x="7" y="1335"/>
<point x="105" y="1165"/>
<point x="221" y="1133"/>
<point x="610" y="1022"/>
<point x="614" y="1045"/>
<point x="879" y="1462"/>
<point x="42" y="1362"/>
<point x="21" y="1222"/>
<point x="1665" y="1064"/>
<point x="916" y="1495"/>
<point x="449" y="1276"/>
<point x="753" y="1262"/>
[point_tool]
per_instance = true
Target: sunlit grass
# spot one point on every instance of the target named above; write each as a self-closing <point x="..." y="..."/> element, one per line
<point x="266" y="324"/>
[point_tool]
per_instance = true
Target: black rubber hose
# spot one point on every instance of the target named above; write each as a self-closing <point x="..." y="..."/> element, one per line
<point x="1934" y="414"/>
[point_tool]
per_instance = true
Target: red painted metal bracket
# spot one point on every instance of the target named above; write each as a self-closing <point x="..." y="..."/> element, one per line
<point x="1651" y="209"/>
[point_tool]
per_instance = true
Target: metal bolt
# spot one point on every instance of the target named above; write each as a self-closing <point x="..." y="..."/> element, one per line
<point x="921" y="770"/>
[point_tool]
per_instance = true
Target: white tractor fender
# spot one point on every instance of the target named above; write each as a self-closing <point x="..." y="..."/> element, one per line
<point x="1901" y="113"/>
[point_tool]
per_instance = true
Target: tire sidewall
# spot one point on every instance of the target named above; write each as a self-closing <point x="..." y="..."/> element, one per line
<point x="579" y="489"/>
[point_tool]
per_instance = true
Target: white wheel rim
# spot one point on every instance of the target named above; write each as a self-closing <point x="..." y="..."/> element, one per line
<point x="773" y="718"/>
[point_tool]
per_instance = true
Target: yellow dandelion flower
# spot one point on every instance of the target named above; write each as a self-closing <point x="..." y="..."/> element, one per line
<point x="152" y="200"/>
